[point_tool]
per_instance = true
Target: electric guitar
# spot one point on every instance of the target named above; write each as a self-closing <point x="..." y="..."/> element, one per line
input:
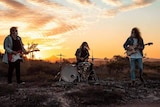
<point x="132" y="49"/>
<point x="18" y="56"/>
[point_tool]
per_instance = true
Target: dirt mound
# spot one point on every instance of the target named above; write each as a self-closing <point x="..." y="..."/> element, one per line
<point x="80" y="94"/>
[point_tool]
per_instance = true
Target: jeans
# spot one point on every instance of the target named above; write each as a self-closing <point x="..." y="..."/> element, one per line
<point x="133" y="67"/>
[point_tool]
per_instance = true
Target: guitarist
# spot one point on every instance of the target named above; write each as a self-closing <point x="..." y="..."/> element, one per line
<point x="136" y="41"/>
<point x="13" y="45"/>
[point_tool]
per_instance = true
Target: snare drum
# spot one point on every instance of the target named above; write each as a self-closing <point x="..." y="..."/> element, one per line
<point x="69" y="73"/>
<point x="84" y="66"/>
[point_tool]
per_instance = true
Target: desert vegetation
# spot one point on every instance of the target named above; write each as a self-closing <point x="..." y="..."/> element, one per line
<point x="43" y="89"/>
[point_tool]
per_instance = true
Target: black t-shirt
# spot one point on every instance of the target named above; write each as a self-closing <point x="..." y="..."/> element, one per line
<point x="16" y="45"/>
<point x="82" y="53"/>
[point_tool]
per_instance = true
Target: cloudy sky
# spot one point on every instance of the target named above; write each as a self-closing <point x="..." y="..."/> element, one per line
<point x="60" y="26"/>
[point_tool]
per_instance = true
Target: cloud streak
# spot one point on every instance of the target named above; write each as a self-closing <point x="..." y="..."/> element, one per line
<point x="127" y="7"/>
<point x="113" y="2"/>
<point x="66" y="15"/>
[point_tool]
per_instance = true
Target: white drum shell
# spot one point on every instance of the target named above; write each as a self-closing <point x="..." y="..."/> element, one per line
<point x="69" y="73"/>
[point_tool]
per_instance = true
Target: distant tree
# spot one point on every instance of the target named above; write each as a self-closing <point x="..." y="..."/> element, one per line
<point x="106" y="59"/>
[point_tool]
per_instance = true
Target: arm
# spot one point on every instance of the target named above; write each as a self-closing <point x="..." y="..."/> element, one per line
<point x="87" y="56"/>
<point x="77" y="54"/>
<point x="141" y="45"/>
<point x="125" y="45"/>
<point x="8" y="44"/>
<point x="128" y="43"/>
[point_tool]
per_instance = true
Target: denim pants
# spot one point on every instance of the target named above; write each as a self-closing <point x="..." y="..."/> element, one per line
<point x="133" y="68"/>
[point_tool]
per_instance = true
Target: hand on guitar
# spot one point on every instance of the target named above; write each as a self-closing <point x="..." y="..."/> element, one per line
<point x="14" y="56"/>
<point x="14" y="52"/>
<point x="138" y="47"/>
<point x="130" y="48"/>
<point x="20" y="53"/>
<point x="26" y="52"/>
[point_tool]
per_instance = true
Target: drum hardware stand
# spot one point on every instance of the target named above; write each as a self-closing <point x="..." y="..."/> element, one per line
<point x="60" y="67"/>
<point x="58" y="74"/>
<point x="94" y="73"/>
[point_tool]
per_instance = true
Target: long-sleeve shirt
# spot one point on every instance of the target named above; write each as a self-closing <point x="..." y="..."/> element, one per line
<point x="8" y="46"/>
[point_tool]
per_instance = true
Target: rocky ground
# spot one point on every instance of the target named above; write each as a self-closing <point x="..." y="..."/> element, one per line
<point x="103" y="93"/>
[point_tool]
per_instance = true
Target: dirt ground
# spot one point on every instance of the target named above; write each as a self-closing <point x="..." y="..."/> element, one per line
<point x="102" y="93"/>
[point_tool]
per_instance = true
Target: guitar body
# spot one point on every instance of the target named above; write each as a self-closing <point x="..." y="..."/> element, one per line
<point x="18" y="56"/>
<point x="14" y="57"/>
<point x="133" y="50"/>
<point x="129" y="53"/>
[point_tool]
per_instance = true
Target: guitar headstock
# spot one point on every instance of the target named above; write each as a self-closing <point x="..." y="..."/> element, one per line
<point x="149" y="43"/>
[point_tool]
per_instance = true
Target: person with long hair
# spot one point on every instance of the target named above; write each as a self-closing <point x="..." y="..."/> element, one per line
<point x="135" y="45"/>
<point x="13" y="46"/>
<point x="82" y="53"/>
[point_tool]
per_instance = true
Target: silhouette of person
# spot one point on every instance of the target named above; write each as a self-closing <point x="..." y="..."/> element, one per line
<point x="13" y="46"/>
<point x="82" y="55"/>
<point x="135" y="44"/>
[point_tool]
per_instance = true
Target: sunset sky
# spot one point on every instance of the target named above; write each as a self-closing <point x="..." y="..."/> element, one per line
<point x="60" y="26"/>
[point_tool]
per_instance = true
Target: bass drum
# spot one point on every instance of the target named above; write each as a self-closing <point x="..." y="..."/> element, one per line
<point x="69" y="73"/>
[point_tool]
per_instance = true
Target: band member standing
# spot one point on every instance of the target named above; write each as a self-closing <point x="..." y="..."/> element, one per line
<point x="13" y="45"/>
<point x="136" y="41"/>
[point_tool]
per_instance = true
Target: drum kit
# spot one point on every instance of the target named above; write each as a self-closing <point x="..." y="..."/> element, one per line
<point x="80" y="72"/>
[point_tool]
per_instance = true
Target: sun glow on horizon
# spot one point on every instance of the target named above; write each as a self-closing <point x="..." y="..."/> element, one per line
<point x="61" y="26"/>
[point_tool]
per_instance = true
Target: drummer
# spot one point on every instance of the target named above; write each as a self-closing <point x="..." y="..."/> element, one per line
<point x="82" y="53"/>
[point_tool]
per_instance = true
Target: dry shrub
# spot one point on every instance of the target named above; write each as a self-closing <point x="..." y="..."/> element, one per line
<point x="38" y="66"/>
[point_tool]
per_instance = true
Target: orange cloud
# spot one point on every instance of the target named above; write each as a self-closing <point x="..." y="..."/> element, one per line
<point x="48" y="22"/>
<point x="85" y="2"/>
<point x="14" y="4"/>
<point x="61" y="29"/>
<point x="136" y="4"/>
<point x="126" y="7"/>
<point x="113" y="2"/>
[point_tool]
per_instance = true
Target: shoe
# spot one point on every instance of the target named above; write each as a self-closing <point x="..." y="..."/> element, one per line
<point x="141" y="79"/>
<point x="21" y="82"/>
<point x="10" y="84"/>
<point x="133" y="84"/>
